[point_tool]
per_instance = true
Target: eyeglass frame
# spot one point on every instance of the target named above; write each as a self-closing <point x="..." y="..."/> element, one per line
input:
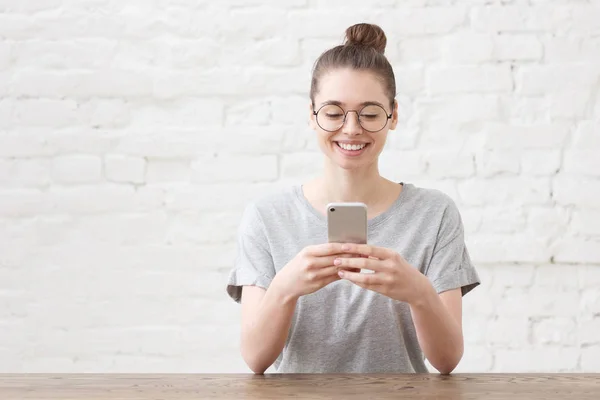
<point x="357" y="115"/>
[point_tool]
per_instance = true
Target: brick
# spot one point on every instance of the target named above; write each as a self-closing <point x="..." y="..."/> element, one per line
<point x="585" y="19"/>
<point x="420" y="50"/>
<point x="449" y="164"/>
<point x="401" y="165"/>
<point x="125" y="229"/>
<point x="6" y="51"/>
<point x="168" y="171"/>
<point x="24" y="173"/>
<point x="275" y="52"/>
<point x="491" y="163"/>
<point x="519" y="18"/>
<point x="491" y="248"/>
<point x="426" y="20"/>
<point x="586" y="222"/>
<point x="96" y="199"/>
<point x="557" y="277"/>
<point x="79" y="141"/>
<point x="476" y="359"/>
<point x="248" y="113"/>
<point x="126" y="169"/>
<point x="517" y="48"/>
<point x="77" y="169"/>
<point x="589" y="276"/>
<point x="289" y="110"/>
<point x="541" y="302"/>
<point x="581" y="162"/>
<point x="29" y="7"/>
<point x="23" y="202"/>
<point x="191" y="228"/>
<point x="410" y="81"/>
<point x="577" y="250"/>
<point x="506" y="136"/>
<point x="542" y="162"/>
<point x="462" y="79"/>
<point x="109" y="114"/>
<point x="48" y="113"/>
<point x="586" y="135"/>
<point x="183" y="113"/>
<point x="459" y="108"/>
<point x="479" y="192"/>
<point x="102" y="83"/>
<point x="467" y="48"/>
<point x="571" y="104"/>
<point x="508" y="332"/>
<point x="555" y="331"/>
<point x="301" y="165"/>
<point x="511" y="276"/>
<point x="588" y="331"/>
<point x="589" y="302"/>
<point x="547" y="221"/>
<point x="538" y="79"/>
<point x="575" y="190"/>
<point x="235" y="168"/>
<point x="573" y="48"/>
<point x="536" y="359"/>
<point x="218" y="196"/>
<point x="590" y="357"/>
<point x="500" y="219"/>
<point x="167" y="53"/>
<point x="64" y="54"/>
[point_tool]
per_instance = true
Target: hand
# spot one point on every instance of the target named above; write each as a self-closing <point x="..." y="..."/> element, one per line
<point x="393" y="276"/>
<point x="311" y="270"/>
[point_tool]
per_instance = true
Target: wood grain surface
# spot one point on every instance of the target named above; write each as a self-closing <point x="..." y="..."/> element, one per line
<point x="299" y="386"/>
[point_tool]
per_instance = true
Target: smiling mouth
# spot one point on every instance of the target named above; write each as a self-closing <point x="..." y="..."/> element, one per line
<point x="352" y="147"/>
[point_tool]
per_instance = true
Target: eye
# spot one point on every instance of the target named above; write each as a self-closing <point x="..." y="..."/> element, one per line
<point x="369" y="116"/>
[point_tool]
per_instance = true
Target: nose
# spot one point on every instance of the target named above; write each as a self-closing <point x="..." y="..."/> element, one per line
<point x="351" y="124"/>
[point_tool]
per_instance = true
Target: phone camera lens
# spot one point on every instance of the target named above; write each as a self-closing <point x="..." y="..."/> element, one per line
<point x="332" y="209"/>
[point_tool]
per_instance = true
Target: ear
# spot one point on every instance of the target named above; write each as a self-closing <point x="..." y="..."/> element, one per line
<point x="312" y="122"/>
<point x="394" y="121"/>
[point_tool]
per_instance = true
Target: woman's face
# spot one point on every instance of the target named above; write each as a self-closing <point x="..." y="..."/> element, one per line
<point x="351" y="145"/>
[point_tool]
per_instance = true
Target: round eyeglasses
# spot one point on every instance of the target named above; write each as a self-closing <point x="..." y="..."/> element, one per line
<point x="372" y="117"/>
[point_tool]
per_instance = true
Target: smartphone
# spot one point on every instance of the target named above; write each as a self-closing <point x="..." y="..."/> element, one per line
<point x="347" y="223"/>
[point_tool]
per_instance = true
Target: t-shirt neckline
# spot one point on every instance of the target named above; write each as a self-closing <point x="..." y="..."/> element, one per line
<point x="371" y="222"/>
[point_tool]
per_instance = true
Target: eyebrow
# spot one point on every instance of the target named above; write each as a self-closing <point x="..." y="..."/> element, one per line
<point x="339" y="103"/>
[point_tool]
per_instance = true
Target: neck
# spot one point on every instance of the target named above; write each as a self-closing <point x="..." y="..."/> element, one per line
<point x="364" y="185"/>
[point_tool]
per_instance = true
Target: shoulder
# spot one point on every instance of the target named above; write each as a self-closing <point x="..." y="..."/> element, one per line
<point x="429" y="199"/>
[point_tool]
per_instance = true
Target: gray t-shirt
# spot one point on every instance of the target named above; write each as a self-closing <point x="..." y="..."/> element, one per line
<point x="344" y="328"/>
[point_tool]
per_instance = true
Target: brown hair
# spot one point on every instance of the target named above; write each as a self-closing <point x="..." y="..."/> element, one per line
<point x="363" y="49"/>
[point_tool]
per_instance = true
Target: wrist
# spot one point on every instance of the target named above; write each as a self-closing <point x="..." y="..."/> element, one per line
<point x="424" y="292"/>
<point x="280" y="294"/>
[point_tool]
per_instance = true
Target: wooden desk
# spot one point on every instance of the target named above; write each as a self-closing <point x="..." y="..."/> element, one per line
<point x="274" y="386"/>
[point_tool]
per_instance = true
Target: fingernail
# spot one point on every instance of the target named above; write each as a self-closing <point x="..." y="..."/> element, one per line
<point x="337" y="261"/>
<point x="345" y="247"/>
<point x="341" y="274"/>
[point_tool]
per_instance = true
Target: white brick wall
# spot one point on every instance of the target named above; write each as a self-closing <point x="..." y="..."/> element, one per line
<point x="132" y="134"/>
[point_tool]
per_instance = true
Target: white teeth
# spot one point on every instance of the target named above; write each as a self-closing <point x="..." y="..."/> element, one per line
<point x="351" y="146"/>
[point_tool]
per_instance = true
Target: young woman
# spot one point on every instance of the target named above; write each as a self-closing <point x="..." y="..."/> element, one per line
<point x="306" y="306"/>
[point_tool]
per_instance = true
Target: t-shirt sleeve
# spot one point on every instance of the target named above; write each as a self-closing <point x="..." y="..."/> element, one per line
<point x="450" y="266"/>
<point x="253" y="263"/>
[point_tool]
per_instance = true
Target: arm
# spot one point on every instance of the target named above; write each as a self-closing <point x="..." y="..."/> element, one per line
<point x="266" y="320"/>
<point x="438" y="322"/>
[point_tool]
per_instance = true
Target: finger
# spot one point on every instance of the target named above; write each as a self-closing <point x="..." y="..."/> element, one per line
<point x="333" y="271"/>
<point x="327" y="261"/>
<point x="360" y="262"/>
<point x="366" y="250"/>
<point x="323" y="249"/>
<point x="363" y="280"/>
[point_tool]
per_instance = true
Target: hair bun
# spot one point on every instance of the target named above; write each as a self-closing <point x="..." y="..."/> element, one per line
<point x="368" y="35"/>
